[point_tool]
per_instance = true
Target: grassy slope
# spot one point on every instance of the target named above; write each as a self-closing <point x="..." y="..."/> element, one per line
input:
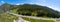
<point x="35" y="20"/>
<point x="7" y="18"/>
<point x="58" y="21"/>
<point x="14" y="17"/>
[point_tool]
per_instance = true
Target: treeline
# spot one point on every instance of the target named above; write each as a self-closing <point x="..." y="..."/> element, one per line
<point x="37" y="10"/>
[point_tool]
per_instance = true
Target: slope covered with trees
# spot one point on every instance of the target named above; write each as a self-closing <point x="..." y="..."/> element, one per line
<point x="37" y="10"/>
<point x="31" y="10"/>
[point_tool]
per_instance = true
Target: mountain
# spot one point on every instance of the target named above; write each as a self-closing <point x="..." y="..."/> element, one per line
<point x="6" y="7"/>
<point x="37" y="10"/>
<point x="31" y="10"/>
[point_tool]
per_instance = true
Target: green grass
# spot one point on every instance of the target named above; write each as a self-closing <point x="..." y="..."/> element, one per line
<point x="14" y="11"/>
<point x="58" y="21"/>
<point x="35" y="20"/>
<point x="5" y="18"/>
<point x="0" y="19"/>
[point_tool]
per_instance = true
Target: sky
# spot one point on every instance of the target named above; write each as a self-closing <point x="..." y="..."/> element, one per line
<point x="54" y="4"/>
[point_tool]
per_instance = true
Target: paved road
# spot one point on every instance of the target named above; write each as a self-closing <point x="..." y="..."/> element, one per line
<point x="39" y="18"/>
<point x="36" y="17"/>
<point x="20" y="20"/>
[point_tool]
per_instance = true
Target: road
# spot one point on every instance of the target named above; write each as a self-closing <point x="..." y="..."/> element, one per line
<point x="39" y="18"/>
<point x="20" y="20"/>
<point x="33" y="17"/>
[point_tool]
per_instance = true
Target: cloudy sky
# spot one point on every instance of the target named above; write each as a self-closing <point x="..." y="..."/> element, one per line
<point x="54" y="4"/>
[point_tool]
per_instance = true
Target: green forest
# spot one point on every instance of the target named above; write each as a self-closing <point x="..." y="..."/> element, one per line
<point x="37" y="10"/>
<point x="31" y="10"/>
<point x="27" y="10"/>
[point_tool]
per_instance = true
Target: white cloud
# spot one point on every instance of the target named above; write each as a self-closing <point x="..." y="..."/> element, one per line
<point x="54" y="8"/>
<point x="2" y="1"/>
<point x="18" y="4"/>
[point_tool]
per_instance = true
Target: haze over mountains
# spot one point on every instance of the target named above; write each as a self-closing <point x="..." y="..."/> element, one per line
<point x="29" y="9"/>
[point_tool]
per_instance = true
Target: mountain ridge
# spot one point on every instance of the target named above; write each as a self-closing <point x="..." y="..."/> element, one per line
<point x="29" y="9"/>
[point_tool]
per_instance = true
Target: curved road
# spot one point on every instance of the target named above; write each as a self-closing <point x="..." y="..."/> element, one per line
<point x="54" y="19"/>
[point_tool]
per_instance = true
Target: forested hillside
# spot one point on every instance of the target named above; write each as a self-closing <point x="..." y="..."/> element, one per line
<point x="31" y="10"/>
<point x="37" y="10"/>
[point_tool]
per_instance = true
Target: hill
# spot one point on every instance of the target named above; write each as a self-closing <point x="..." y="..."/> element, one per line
<point x="31" y="10"/>
<point x="37" y="10"/>
<point x="6" y="7"/>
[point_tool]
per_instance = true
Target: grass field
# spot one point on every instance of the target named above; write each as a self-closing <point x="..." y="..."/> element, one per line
<point x="7" y="18"/>
<point x="58" y="21"/>
<point x="35" y="20"/>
